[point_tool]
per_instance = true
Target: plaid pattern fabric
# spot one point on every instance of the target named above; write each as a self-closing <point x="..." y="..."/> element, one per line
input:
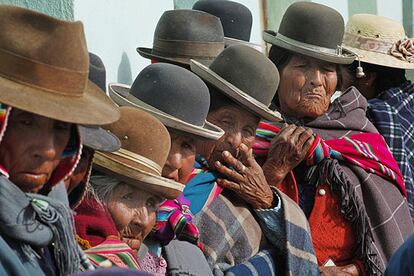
<point x="263" y="263"/>
<point x="392" y="112"/>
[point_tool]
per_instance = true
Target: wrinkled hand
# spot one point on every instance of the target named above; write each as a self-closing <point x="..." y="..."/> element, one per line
<point x="347" y="270"/>
<point x="287" y="149"/>
<point x="246" y="179"/>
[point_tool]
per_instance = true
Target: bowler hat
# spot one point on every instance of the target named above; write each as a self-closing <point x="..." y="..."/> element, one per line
<point x="144" y="151"/>
<point x="313" y="30"/>
<point x="44" y="69"/>
<point x="235" y="18"/>
<point x="181" y="35"/>
<point x="176" y="96"/>
<point x="245" y="76"/>
<point x="379" y="40"/>
<point x="95" y="137"/>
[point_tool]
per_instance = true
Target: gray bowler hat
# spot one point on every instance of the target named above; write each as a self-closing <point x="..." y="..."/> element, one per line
<point x="174" y="95"/>
<point x="244" y="75"/>
<point x="313" y="30"/>
<point x="182" y="35"/>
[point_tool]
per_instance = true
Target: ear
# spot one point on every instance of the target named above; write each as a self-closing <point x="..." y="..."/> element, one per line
<point x="369" y="79"/>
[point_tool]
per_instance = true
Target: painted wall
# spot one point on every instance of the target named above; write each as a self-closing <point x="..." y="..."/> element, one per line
<point x="114" y="29"/>
<point x="59" y="8"/>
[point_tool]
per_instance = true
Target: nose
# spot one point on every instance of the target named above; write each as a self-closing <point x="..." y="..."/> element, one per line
<point x="315" y="77"/>
<point x="45" y="148"/>
<point x="142" y="218"/>
<point x="235" y="139"/>
<point x="174" y="161"/>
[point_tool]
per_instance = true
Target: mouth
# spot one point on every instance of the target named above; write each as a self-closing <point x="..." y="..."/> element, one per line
<point x="35" y="175"/>
<point x="314" y="95"/>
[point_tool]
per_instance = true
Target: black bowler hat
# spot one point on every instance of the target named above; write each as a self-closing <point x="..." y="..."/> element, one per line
<point x="313" y="30"/>
<point x="172" y="94"/>
<point x="93" y="136"/>
<point x="182" y="35"/>
<point x="235" y="18"/>
<point x="244" y="75"/>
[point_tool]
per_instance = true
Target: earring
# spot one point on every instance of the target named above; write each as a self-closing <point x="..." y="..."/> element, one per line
<point x="359" y="70"/>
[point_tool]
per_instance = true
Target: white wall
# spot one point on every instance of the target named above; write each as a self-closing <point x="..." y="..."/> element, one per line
<point x="254" y="7"/>
<point x="115" y="28"/>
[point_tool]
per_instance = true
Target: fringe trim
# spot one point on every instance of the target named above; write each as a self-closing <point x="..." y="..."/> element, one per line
<point x="351" y="208"/>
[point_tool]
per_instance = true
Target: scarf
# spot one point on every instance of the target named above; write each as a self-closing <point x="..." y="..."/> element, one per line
<point x="37" y="221"/>
<point x="174" y="221"/>
<point x="93" y="223"/>
<point x="201" y="188"/>
<point x="355" y="162"/>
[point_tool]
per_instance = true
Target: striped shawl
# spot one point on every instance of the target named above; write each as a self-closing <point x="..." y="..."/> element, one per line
<point x="373" y="203"/>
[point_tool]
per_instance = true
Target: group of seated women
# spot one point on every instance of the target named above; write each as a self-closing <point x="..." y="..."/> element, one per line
<point x="219" y="159"/>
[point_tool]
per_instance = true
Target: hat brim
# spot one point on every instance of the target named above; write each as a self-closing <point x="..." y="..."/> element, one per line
<point x="119" y="93"/>
<point x="155" y="184"/>
<point x="235" y="93"/>
<point x="380" y="59"/>
<point x="93" y="107"/>
<point x="228" y="41"/>
<point x="99" y="139"/>
<point x="147" y="53"/>
<point x="321" y="53"/>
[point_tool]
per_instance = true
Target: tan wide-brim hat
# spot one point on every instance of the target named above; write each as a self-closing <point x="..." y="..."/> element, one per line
<point x="372" y="37"/>
<point x="145" y="145"/>
<point x="120" y="94"/>
<point x="136" y="177"/>
<point x="235" y="93"/>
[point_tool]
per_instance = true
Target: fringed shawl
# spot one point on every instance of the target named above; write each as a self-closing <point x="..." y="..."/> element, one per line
<point x="370" y="189"/>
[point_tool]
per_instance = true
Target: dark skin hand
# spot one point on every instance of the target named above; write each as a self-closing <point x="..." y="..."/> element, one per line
<point x="287" y="150"/>
<point x="246" y="179"/>
<point x="347" y="270"/>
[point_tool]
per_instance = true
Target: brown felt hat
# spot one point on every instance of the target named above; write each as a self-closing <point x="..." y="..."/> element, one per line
<point x="244" y="75"/>
<point x="44" y="68"/>
<point x="182" y="35"/>
<point x="145" y="147"/>
<point x="313" y="30"/>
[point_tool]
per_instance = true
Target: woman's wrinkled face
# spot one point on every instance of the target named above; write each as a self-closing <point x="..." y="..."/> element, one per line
<point x="133" y="211"/>
<point x="181" y="157"/>
<point x="32" y="148"/>
<point x="239" y="126"/>
<point x="81" y="171"/>
<point x="306" y="87"/>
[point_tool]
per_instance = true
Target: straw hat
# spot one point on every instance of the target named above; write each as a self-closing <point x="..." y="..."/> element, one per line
<point x="313" y="30"/>
<point x="245" y="76"/>
<point x="181" y="35"/>
<point x="144" y="151"/>
<point x="174" y="95"/>
<point x="44" y="69"/>
<point x="379" y="40"/>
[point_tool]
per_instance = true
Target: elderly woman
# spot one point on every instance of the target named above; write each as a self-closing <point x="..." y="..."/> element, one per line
<point x="41" y="103"/>
<point x="380" y="77"/>
<point x="179" y="99"/>
<point x="343" y="177"/>
<point x="240" y="92"/>
<point x="131" y="187"/>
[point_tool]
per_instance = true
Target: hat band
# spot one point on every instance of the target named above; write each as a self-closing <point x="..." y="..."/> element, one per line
<point x="190" y="49"/>
<point x="129" y="155"/>
<point x="269" y="38"/>
<point x="40" y="75"/>
<point x="368" y="44"/>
